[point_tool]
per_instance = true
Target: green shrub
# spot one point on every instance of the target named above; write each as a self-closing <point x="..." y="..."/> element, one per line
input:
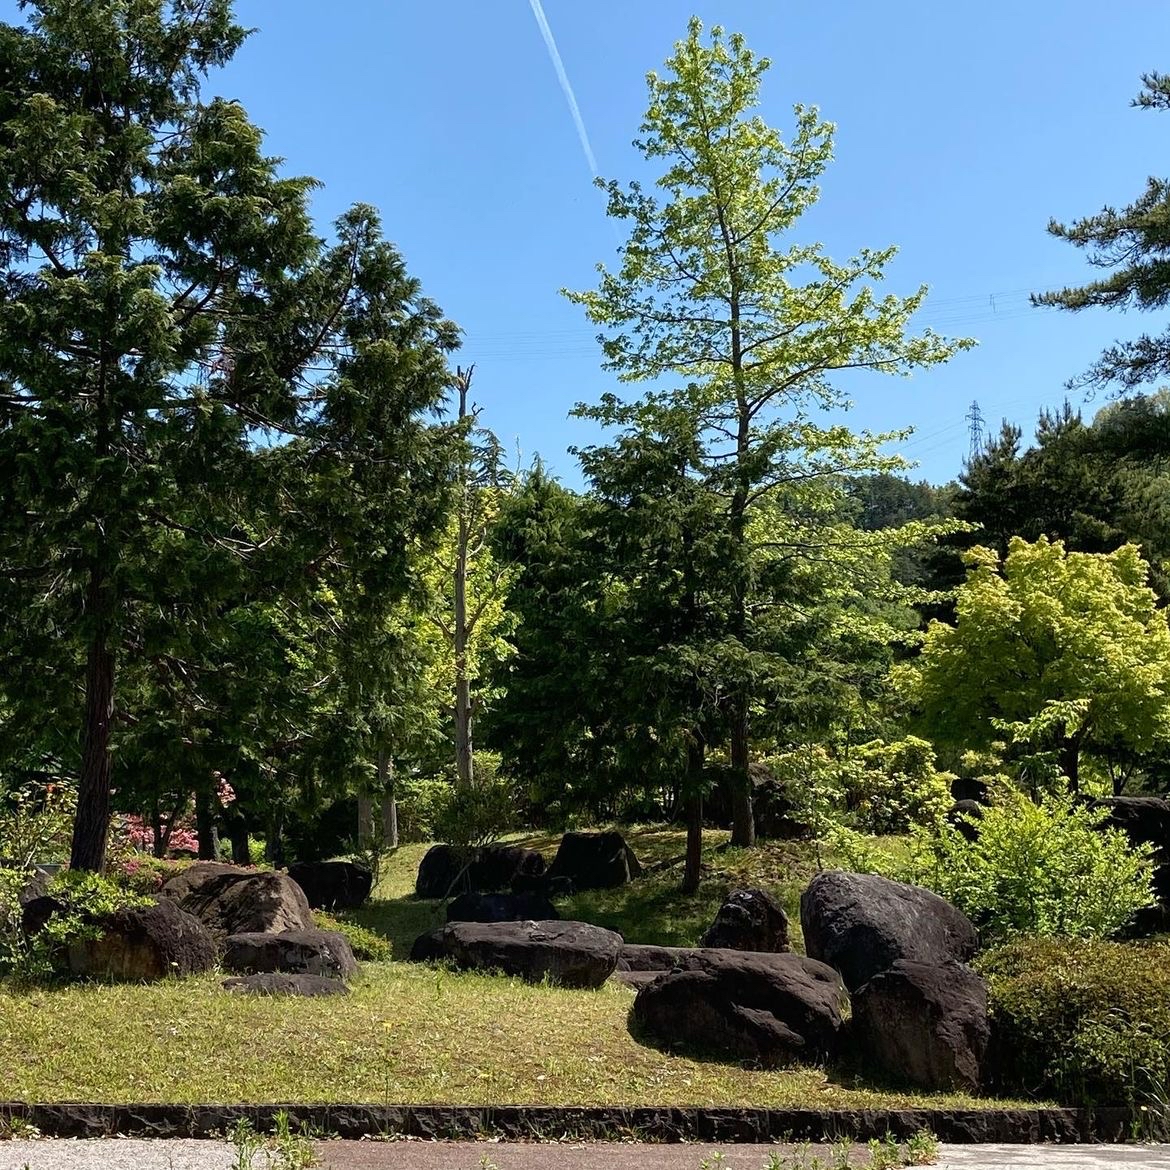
<point x="894" y="786"/>
<point x="36" y="824"/>
<point x="364" y="943"/>
<point x="1083" y="1020"/>
<point x="142" y="873"/>
<point x="877" y="787"/>
<point x="1038" y="869"/>
<point x="421" y="800"/>
<point x="86" y="898"/>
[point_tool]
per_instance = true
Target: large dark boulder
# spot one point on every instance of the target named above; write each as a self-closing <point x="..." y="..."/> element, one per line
<point x="501" y="908"/>
<point x="36" y="912"/>
<point x="333" y="885"/>
<point x="773" y="1009"/>
<point x="646" y="957"/>
<point x="965" y="816"/>
<point x="1145" y="820"/>
<point x="748" y="920"/>
<point x="293" y="952"/>
<point x="861" y="924"/>
<point x="143" y="944"/>
<point x="279" y="983"/>
<point x="969" y="788"/>
<point x="595" y="861"/>
<point x="573" y="954"/>
<point x="229" y="899"/>
<point x="447" y="870"/>
<point x="923" y="1025"/>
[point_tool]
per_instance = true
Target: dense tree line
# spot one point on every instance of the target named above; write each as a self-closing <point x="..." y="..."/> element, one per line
<point x="254" y="539"/>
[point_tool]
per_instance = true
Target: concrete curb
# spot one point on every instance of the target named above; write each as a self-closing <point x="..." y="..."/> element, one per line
<point x="520" y="1122"/>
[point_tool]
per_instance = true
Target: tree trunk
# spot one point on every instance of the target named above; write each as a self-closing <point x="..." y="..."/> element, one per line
<point x="693" y="786"/>
<point x="205" y="827"/>
<point x="91" y="826"/>
<point x="743" y="821"/>
<point x="464" y="760"/>
<point x="274" y="840"/>
<point x="365" y="819"/>
<point x="1070" y="761"/>
<point x="389" y="800"/>
<point x="238" y="833"/>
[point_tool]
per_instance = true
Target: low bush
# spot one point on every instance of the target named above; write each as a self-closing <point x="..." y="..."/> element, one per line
<point x="1084" y="1021"/>
<point x="421" y="800"/>
<point x="1048" y="868"/>
<point x="142" y="873"/>
<point x="364" y="943"/>
<point x="85" y="898"/>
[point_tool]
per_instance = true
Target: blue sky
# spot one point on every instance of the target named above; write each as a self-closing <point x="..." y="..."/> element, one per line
<point x="961" y="129"/>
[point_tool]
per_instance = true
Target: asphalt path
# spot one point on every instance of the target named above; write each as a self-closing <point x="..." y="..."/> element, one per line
<point x="132" y="1154"/>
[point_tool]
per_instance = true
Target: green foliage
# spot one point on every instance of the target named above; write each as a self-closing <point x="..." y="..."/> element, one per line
<point x="85" y="898"/>
<point x="1085" y="1021"/>
<point x="365" y="944"/>
<point x="141" y="873"/>
<point x="478" y="813"/>
<point x="712" y="483"/>
<point x="1132" y="242"/>
<point x="878" y="788"/>
<point x="1048" y="868"/>
<point x="36" y="822"/>
<point x="1060" y="651"/>
<point x="421" y="801"/>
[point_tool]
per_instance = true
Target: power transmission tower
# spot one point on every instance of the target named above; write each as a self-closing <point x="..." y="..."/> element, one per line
<point x="974" y="417"/>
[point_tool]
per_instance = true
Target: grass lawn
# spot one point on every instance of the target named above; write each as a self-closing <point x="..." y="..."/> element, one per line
<point x="410" y="1034"/>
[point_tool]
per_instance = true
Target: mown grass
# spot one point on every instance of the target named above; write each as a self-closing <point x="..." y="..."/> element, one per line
<point x="412" y="1034"/>
<point x="407" y="1034"/>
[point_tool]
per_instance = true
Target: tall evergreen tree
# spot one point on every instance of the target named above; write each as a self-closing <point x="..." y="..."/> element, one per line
<point x="751" y="327"/>
<point x="164" y="306"/>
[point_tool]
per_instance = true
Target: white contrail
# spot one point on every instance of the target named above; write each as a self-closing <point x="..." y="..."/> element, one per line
<point x="563" y="78"/>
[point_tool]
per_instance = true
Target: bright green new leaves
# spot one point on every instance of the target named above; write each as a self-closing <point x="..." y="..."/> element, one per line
<point x="706" y="289"/>
<point x="1067" y="649"/>
<point x="1052" y="868"/>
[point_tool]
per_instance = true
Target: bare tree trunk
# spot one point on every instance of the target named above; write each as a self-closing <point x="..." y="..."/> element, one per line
<point x="91" y="826"/>
<point x="365" y="819"/>
<point x="1070" y="761"/>
<point x="464" y="765"/>
<point x="238" y="834"/>
<point x="743" y="821"/>
<point x="389" y="800"/>
<point x="694" y="806"/>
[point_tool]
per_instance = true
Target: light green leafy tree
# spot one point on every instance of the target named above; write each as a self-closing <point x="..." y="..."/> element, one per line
<point x="740" y="327"/>
<point x="1066" y="651"/>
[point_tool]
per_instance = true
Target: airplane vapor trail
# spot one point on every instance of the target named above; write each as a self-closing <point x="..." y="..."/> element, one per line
<point x="563" y="78"/>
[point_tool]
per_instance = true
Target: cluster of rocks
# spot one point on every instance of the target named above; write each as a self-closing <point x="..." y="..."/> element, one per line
<point x="257" y="924"/>
<point x="584" y="861"/>
<point x="885" y="984"/>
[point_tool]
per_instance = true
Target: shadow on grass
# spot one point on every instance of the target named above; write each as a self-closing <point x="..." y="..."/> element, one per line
<point x="400" y="920"/>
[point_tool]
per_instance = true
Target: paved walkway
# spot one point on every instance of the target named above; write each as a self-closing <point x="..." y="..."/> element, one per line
<point x="128" y="1154"/>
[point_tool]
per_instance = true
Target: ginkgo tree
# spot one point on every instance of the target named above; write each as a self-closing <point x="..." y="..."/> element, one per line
<point x="1065" y="651"/>
<point x="740" y="326"/>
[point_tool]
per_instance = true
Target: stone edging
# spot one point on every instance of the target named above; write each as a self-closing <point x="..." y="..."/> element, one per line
<point x="660" y="1124"/>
